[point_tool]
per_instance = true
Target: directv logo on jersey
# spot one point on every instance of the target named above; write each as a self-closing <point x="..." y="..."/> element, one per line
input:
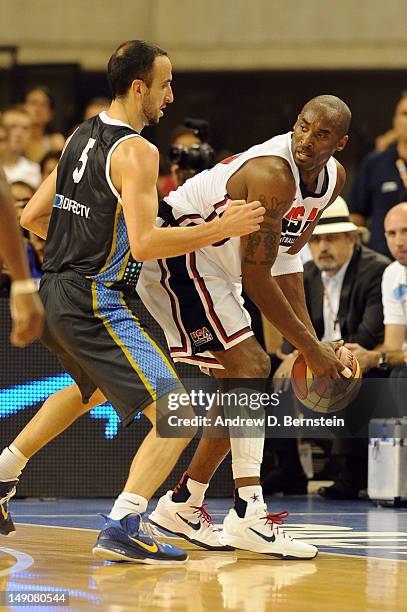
<point x="73" y="206"/>
<point x="200" y="336"/>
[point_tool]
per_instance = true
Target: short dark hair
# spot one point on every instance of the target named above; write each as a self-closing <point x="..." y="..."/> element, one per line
<point x="182" y="130"/>
<point x="335" y="109"/>
<point x="50" y="155"/>
<point x="46" y="91"/>
<point x="134" y="59"/>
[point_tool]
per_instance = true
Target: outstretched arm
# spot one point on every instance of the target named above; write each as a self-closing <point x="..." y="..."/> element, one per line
<point x="134" y="172"/>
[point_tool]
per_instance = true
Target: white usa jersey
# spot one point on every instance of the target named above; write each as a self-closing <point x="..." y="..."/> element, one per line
<point x="196" y="298"/>
<point x="204" y="196"/>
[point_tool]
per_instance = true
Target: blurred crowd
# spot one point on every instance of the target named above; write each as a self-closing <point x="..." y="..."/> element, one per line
<point x="349" y="294"/>
<point x="29" y="152"/>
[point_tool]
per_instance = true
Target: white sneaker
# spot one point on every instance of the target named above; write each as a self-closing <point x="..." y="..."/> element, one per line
<point x="190" y="522"/>
<point x="261" y="532"/>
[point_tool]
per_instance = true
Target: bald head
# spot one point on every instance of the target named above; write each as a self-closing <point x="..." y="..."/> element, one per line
<point x="398" y="212"/>
<point x="395" y="226"/>
<point x="334" y="110"/>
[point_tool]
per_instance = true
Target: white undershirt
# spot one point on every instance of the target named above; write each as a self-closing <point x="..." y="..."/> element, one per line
<point x="332" y="297"/>
<point x="24" y="170"/>
<point x="394" y="294"/>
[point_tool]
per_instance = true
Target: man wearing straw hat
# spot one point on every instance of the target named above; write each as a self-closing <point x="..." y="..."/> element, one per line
<point x="343" y="291"/>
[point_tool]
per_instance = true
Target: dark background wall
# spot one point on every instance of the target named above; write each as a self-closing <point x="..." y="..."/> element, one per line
<point x="243" y="108"/>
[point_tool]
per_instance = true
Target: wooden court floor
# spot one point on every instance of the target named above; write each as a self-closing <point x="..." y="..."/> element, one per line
<point x="59" y="558"/>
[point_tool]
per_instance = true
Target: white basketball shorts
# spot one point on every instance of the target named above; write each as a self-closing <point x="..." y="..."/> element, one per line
<point x="198" y="307"/>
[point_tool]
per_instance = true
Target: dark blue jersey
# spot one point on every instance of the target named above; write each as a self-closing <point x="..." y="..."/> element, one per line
<point x="377" y="187"/>
<point x="87" y="232"/>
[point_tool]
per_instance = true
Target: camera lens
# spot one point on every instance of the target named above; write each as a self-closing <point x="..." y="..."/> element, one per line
<point x="197" y="157"/>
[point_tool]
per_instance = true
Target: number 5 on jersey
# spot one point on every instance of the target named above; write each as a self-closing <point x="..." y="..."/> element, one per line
<point x="77" y="174"/>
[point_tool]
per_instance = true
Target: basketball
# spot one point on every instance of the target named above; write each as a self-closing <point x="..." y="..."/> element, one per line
<point x="326" y="395"/>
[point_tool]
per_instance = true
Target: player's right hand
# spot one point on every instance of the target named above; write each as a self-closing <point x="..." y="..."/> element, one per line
<point x="241" y="218"/>
<point x="27" y="314"/>
<point x="322" y="359"/>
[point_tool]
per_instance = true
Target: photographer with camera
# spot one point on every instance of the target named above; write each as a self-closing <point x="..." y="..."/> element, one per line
<point x="190" y="152"/>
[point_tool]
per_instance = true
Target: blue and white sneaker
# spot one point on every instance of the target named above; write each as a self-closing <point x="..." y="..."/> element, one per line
<point x="125" y="540"/>
<point x="7" y="490"/>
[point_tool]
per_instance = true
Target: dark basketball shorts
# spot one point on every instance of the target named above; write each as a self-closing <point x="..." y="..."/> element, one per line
<point x="101" y="343"/>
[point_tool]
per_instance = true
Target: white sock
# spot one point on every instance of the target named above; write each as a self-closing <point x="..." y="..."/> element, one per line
<point x="128" y="503"/>
<point x="12" y="463"/>
<point x="189" y="491"/>
<point x="253" y="496"/>
<point x="197" y="490"/>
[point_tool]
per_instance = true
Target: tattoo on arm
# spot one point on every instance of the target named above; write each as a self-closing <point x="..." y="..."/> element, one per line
<point x="252" y="245"/>
<point x="271" y="243"/>
<point x="262" y="246"/>
<point x="275" y="208"/>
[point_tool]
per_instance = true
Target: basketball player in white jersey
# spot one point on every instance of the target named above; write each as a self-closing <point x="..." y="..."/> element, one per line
<point x="197" y="301"/>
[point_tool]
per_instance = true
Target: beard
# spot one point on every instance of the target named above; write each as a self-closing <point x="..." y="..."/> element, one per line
<point x="151" y="114"/>
<point x="326" y="264"/>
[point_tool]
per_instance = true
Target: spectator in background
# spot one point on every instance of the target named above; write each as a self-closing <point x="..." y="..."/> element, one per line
<point x="17" y="167"/>
<point x="49" y="162"/>
<point x="95" y="106"/>
<point x="343" y="292"/>
<point x="180" y="136"/>
<point x="22" y="192"/>
<point x="391" y="354"/>
<point x="381" y="181"/>
<point x="40" y="104"/>
<point x="383" y="141"/>
<point x="3" y="144"/>
<point x="186" y="138"/>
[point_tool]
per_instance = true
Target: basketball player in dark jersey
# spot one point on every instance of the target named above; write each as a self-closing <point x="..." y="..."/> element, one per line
<point x="27" y="312"/>
<point x="103" y="201"/>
